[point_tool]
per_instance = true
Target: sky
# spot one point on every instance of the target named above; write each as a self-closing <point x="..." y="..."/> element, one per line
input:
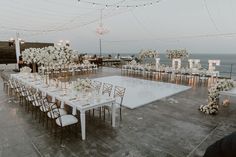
<point x="200" y="26"/>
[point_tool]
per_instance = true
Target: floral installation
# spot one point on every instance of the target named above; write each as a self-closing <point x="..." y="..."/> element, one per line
<point x="175" y="54"/>
<point x="86" y="62"/>
<point x="49" y="56"/>
<point x="148" y="54"/>
<point x="25" y="70"/>
<point x="30" y="55"/>
<point x="83" y="85"/>
<point x="197" y="66"/>
<point x="133" y="62"/>
<point x="212" y="107"/>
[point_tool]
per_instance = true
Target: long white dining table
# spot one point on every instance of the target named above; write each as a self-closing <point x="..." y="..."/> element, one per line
<point x="81" y="105"/>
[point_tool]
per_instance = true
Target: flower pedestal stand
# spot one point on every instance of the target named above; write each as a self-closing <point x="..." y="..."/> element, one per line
<point x="157" y="63"/>
<point x="176" y="63"/>
<point x="193" y="63"/>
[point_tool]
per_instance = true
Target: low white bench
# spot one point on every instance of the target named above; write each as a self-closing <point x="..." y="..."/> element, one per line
<point x="230" y="93"/>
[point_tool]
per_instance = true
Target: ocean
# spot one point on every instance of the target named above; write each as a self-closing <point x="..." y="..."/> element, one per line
<point x="227" y="66"/>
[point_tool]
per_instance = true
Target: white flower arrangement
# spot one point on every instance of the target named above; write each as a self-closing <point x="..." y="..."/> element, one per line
<point x="148" y="54"/>
<point x="49" y="56"/>
<point x="175" y="54"/>
<point x="133" y="62"/>
<point x="83" y="85"/>
<point x="213" y="96"/>
<point x="25" y="70"/>
<point x="86" y="62"/>
<point x="30" y="55"/>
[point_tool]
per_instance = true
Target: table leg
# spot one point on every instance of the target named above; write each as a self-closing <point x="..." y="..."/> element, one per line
<point x="113" y="115"/>
<point x="82" y="121"/>
<point x="62" y="104"/>
<point x="74" y="110"/>
<point x="53" y="99"/>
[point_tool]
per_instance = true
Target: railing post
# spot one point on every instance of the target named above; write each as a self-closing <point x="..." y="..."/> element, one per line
<point x="231" y="69"/>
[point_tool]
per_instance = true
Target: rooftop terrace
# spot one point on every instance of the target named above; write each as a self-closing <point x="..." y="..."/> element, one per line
<point x="170" y="127"/>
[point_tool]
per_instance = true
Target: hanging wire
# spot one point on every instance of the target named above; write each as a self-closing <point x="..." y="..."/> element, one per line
<point x="58" y="23"/>
<point x="150" y="3"/>
<point x="209" y="14"/>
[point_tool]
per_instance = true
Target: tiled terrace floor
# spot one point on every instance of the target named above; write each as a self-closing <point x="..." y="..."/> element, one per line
<point x="171" y="127"/>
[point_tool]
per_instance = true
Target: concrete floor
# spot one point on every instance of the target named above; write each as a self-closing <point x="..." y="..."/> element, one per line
<point x="170" y="127"/>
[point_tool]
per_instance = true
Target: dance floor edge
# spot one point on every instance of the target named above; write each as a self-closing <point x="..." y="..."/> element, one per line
<point x="140" y="92"/>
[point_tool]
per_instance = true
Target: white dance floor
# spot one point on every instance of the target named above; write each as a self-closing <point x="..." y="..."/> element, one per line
<point x="140" y="92"/>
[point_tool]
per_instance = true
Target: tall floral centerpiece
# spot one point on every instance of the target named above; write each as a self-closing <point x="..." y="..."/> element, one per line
<point x="149" y="54"/>
<point x="83" y="85"/>
<point x="30" y="56"/>
<point x="212" y="107"/>
<point x="56" y="56"/>
<point x="176" y="55"/>
<point x="50" y="56"/>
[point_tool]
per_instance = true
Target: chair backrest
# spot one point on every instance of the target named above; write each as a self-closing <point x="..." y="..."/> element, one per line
<point x="45" y="104"/>
<point x="37" y="95"/>
<point x="119" y="92"/>
<point x="23" y="90"/>
<point x="97" y="85"/>
<point x="37" y="100"/>
<point x="11" y="83"/>
<point x="54" y="111"/>
<point x="107" y="88"/>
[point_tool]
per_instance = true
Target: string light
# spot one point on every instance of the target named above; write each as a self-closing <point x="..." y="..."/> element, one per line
<point x="120" y="6"/>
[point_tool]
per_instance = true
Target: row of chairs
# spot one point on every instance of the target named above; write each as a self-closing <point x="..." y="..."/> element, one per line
<point x="106" y="89"/>
<point x="40" y="106"/>
<point x="201" y="78"/>
<point x="49" y="113"/>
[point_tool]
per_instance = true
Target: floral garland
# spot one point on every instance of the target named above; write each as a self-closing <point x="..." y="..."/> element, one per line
<point x="49" y="56"/>
<point x="175" y="54"/>
<point x="213" y="96"/>
<point x="83" y="85"/>
<point x="148" y="54"/>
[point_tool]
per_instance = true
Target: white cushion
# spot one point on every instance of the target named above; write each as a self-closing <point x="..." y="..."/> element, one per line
<point x="51" y="115"/>
<point x="66" y="120"/>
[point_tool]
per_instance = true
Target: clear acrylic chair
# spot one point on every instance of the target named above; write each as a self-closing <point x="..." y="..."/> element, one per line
<point x="97" y="86"/>
<point x="119" y="93"/>
<point x="106" y="89"/>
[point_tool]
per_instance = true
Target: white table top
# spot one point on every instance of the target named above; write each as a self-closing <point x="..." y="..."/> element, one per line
<point x="82" y="103"/>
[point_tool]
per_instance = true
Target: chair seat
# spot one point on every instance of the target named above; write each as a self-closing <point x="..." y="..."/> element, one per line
<point x="51" y="115"/>
<point x="66" y="120"/>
